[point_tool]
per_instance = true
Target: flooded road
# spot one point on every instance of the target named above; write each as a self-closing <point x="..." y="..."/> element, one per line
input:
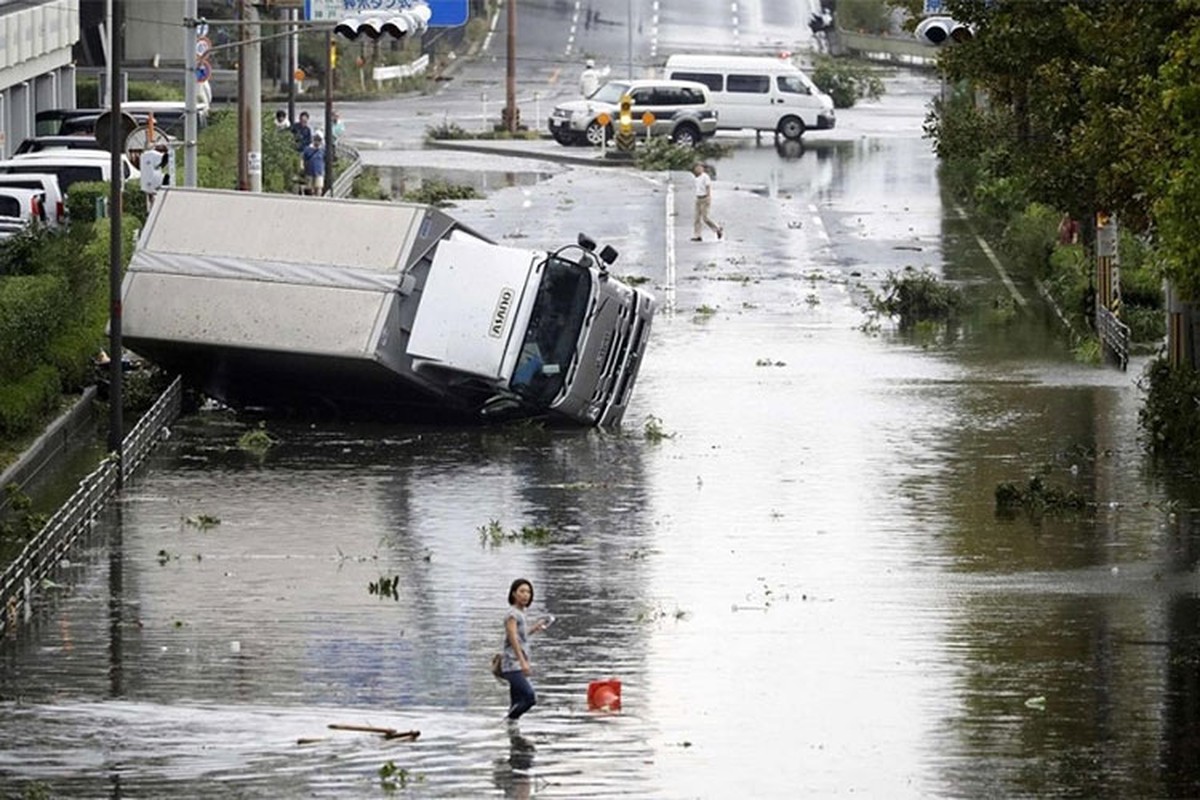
<point x="790" y="556"/>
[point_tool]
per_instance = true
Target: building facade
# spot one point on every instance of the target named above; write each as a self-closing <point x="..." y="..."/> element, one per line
<point x="37" y="70"/>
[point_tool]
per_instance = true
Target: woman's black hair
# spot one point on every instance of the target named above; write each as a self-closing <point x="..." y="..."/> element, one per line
<point x="512" y="590"/>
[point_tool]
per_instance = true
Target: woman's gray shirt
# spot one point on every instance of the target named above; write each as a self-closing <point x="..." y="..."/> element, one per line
<point x="509" y="661"/>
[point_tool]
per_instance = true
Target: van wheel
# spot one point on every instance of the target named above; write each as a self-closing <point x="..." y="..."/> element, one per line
<point x="596" y="134"/>
<point x="686" y="136"/>
<point x="790" y="128"/>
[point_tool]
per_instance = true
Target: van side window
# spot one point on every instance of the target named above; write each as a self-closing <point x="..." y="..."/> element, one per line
<point x="790" y="84"/>
<point x="710" y="79"/>
<point x="749" y="84"/>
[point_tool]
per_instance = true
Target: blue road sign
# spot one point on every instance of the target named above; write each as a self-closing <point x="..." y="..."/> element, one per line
<point x="443" y="13"/>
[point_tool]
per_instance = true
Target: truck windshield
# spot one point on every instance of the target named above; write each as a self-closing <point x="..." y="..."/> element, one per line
<point x="554" y="326"/>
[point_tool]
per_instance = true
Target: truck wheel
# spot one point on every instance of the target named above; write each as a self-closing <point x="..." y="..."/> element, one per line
<point x="790" y="128"/>
<point x="596" y="134"/>
<point x="686" y="136"/>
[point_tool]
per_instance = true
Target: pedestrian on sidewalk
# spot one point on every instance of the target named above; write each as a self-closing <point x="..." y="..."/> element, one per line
<point x="302" y="132"/>
<point x="703" y="184"/>
<point x="515" y="664"/>
<point x="314" y="166"/>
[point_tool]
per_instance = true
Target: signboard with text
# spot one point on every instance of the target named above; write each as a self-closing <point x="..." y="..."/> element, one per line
<point x="444" y="13"/>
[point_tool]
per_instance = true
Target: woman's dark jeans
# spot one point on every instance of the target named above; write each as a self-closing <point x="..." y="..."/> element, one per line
<point x="520" y="693"/>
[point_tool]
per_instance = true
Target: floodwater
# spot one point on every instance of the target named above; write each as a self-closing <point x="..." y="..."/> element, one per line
<point x="801" y="582"/>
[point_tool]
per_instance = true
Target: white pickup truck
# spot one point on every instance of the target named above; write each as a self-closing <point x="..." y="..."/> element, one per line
<point x="389" y="311"/>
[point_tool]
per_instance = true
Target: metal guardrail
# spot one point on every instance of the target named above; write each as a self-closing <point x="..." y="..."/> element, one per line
<point x="345" y="180"/>
<point x="22" y="579"/>
<point x="140" y="441"/>
<point x="1114" y="335"/>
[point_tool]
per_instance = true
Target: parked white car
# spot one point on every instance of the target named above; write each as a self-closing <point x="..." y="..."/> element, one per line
<point x="47" y="184"/>
<point x="70" y="167"/>
<point x="681" y="111"/>
<point x="20" y="208"/>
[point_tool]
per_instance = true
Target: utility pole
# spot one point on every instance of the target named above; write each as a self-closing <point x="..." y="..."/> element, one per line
<point x="249" y="99"/>
<point x="243" y="178"/>
<point x="116" y="431"/>
<point x="190" y="127"/>
<point x="511" y="114"/>
<point x="293" y="62"/>
<point x="253" y="69"/>
<point x="629" y="28"/>
<point x="330" y="65"/>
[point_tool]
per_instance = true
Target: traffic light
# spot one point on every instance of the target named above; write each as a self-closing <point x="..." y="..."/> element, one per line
<point x="942" y="30"/>
<point x="396" y="23"/>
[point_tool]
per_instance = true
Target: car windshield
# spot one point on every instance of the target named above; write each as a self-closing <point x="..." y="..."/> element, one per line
<point x="553" y="333"/>
<point x="610" y="92"/>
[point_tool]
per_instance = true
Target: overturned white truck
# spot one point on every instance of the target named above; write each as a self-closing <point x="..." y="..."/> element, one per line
<point x="374" y="310"/>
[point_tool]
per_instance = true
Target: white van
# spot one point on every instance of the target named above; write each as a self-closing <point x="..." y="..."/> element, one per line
<point x="758" y="92"/>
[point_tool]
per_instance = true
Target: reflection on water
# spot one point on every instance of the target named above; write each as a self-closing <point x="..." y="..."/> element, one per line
<point x="399" y="181"/>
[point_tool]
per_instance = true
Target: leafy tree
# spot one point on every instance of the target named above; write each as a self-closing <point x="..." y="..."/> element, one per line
<point x="1083" y="105"/>
<point x="217" y="159"/>
<point x="1177" y="180"/>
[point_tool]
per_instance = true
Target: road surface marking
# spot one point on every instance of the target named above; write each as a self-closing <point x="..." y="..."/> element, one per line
<point x="487" y="40"/>
<point x="669" y="288"/>
<point x="991" y="256"/>
<point x="819" y="224"/>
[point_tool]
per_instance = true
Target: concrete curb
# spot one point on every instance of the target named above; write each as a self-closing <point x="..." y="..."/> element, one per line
<point x="489" y="147"/>
<point x="48" y="447"/>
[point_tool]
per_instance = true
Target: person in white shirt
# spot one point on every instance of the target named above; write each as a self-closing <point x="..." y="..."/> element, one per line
<point x="703" y="185"/>
<point x="151" y="164"/>
<point x="589" y="81"/>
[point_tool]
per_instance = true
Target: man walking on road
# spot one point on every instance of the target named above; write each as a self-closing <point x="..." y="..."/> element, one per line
<point x="703" y="203"/>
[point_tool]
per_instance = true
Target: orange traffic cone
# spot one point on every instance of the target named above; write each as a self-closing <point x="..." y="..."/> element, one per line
<point x="604" y="695"/>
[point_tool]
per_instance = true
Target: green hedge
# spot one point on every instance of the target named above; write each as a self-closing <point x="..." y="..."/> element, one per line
<point x="25" y="401"/>
<point x="31" y="311"/>
<point x="54" y="300"/>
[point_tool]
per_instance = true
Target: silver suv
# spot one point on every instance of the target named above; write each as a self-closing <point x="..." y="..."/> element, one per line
<point x="681" y="110"/>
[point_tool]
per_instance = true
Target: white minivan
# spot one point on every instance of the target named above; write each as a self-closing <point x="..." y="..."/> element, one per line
<point x="757" y="92"/>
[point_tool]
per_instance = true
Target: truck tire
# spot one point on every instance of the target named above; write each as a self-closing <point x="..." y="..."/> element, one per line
<point x="790" y="128"/>
<point x="597" y="134"/>
<point x="686" y="135"/>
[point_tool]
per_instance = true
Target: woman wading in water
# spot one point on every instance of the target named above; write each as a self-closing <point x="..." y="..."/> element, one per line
<point x="515" y="665"/>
